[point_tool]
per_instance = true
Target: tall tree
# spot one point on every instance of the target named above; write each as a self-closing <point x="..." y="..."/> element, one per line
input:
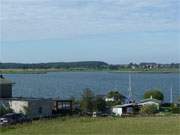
<point x="87" y="100"/>
<point x="154" y="93"/>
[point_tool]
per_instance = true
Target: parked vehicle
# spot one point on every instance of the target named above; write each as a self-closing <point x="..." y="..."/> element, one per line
<point x="4" y="122"/>
<point x="13" y="118"/>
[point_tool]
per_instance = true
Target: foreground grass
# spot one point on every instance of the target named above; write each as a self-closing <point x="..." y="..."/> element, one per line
<point x="98" y="126"/>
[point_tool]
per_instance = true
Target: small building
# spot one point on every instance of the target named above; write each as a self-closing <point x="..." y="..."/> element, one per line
<point x="150" y="101"/>
<point x="5" y="87"/>
<point x="107" y="99"/>
<point x="125" y="109"/>
<point x="33" y="107"/>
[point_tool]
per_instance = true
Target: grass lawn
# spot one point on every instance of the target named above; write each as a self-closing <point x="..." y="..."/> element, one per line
<point x="98" y="126"/>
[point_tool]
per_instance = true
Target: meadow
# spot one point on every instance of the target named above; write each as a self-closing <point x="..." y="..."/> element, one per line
<point x="98" y="126"/>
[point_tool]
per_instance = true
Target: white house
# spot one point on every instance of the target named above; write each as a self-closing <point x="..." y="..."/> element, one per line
<point x="117" y="110"/>
<point x="150" y="101"/>
<point x="107" y="99"/>
<point x="33" y="107"/>
<point x="129" y="108"/>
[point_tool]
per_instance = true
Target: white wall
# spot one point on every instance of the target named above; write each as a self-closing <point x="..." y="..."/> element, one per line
<point x="150" y="103"/>
<point x="117" y="111"/>
<point x="18" y="106"/>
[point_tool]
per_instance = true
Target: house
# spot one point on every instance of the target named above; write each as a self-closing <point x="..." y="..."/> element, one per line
<point x="107" y="99"/>
<point x="125" y="109"/>
<point x="150" y="101"/>
<point x="33" y="107"/>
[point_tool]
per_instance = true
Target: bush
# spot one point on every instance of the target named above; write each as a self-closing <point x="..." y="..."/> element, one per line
<point x="175" y="109"/>
<point x="100" y="104"/>
<point x="4" y="110"/>
<point x="149" y="109"/>
<point x="156" y="94"/>
<point x="118" y="98"/>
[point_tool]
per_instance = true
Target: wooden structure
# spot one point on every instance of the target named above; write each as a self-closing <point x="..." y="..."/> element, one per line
<point x="62" y="107"/>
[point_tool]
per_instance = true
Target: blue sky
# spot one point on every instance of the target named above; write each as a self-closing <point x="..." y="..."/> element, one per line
<point x="114" y="31"/>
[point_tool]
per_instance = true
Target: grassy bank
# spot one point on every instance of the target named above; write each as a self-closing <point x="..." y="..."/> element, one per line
<point x="42" y="71"/>
<point x="99" y="126"/>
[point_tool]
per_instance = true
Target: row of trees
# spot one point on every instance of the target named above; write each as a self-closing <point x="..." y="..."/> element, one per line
<point x="85" y="64"/>
<point x="89" y="102"/>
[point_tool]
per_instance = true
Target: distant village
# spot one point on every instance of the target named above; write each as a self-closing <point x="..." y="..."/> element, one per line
<point x="111" y="104"/>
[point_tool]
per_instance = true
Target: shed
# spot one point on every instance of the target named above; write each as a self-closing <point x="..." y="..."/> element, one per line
<point x="130" y="108"/>
<point x="5" y="87"/>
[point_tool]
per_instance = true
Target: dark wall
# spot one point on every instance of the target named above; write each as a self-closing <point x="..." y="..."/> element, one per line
<point x="5" y="91"/>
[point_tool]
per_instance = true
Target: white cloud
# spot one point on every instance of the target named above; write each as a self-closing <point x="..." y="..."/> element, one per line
<point x="44" y="19"/>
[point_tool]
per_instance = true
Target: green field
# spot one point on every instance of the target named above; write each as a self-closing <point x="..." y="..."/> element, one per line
<point x="98" y="126"/>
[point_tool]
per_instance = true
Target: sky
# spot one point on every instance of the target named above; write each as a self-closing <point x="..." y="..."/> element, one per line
<point x="114" y="31"/>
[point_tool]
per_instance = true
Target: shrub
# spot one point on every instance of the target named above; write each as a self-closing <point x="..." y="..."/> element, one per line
<point x="149" y="109"/>
<point x="154" y="94"/>
<point x="175" y="109"/>
<point x="100" y="104"/>
<point x="4" y="110"/>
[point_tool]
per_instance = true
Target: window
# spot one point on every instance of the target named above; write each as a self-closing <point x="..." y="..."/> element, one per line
<point x="40" y="110"/>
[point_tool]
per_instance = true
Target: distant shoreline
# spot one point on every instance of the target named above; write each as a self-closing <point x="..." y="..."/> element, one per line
<point x="44" y="71"/>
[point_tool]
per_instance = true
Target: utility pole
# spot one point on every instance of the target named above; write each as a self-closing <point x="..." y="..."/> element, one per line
<point x="130" y="88"/>
<point x="171" y="95"/>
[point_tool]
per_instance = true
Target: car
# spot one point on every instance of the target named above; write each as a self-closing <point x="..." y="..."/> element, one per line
<point x="14" y="118"/>
<point x="3" y="122"/>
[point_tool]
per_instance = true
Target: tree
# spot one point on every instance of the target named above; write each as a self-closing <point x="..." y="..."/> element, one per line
<point x="87" y="101"/>
<point x="100" y="104"/>
<point x="156" y="94"/>
<point x="118" y="98"/>
<point x="4" y="110"/>
<point x="149" y="109"/>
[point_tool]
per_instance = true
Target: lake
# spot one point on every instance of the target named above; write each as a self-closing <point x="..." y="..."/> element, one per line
<point x="67" y="84"/>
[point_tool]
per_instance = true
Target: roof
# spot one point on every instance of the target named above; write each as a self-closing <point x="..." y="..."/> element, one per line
<point x="125" y="105"/>
<point x="150" y="99"/>
<point x="5" y="81"/>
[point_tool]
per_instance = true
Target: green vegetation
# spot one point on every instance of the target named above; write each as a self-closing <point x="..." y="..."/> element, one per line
<point x="4" y="110"/>
<point x="149" y="109"/>
<point x="87" y="66"/>
<point x="98" y="126"/>
<point x="118" y="98"/>
<point x="87" y="101"/>
<point x="154" y="93"/>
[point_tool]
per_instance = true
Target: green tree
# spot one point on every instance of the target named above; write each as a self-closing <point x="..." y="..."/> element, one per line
<point x="149" y="109"/>
<point x="100" y="104"/>
<point x="4" y="110"/>
<point x="156" y="94"/>
<point x="87" y="101"/>
<point x="118" y="98"/>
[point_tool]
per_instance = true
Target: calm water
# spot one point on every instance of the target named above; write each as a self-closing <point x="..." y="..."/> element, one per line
<point x="67" y="84"/>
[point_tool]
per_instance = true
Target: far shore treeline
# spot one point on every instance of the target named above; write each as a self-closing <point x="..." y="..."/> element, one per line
<point x="89" y="65"/>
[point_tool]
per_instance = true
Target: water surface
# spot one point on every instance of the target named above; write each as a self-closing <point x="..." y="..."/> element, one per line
<point x="67" y="84"/>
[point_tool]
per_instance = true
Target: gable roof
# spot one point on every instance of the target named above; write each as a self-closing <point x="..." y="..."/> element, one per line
<point x="150" y="100"/>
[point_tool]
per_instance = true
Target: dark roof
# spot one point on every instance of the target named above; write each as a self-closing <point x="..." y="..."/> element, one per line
<point x="125" y="105"/>
<point x="5" y="81"/>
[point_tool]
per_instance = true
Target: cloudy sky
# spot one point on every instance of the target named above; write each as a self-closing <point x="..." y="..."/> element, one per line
<point x="114" y="31"/>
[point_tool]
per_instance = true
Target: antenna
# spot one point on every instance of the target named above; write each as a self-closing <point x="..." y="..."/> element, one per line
<point x="171" y="95"/>
<point x="129" y="89"/>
